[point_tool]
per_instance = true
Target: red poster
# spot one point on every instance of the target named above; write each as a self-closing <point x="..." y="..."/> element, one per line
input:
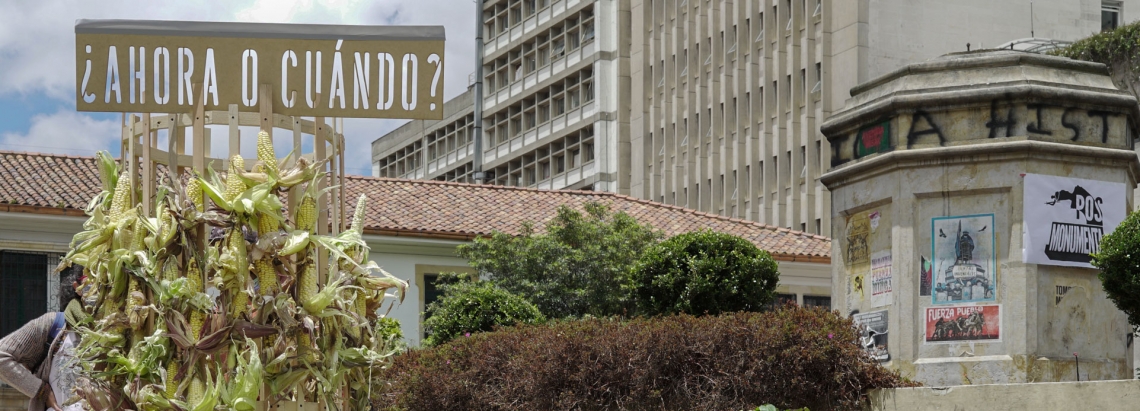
<point x="963" y="323"/>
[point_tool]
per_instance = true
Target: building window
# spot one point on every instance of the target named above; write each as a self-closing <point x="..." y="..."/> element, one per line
<point x="1110" y="15"/>
<point x="817" y="301"/>
<point x="24" y="294"/>
<point x="782" y="299"/>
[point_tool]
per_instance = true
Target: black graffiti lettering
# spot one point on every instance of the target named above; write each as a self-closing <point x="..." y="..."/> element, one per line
<point x="1104" y="123"/>
<point x="994" y="124"/>
<point x="915" y="134"/>
<point x="836" y="158"/>
<point x="1037" y="127"/>
<point x="1070" y="125"/>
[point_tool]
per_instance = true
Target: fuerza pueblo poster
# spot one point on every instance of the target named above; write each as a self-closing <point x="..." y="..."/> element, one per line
<point x="964" y="323"/>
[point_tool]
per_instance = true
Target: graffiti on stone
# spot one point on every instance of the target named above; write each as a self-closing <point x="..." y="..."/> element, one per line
<point x="873" y="139"/>
<point x="1003" y="118"/>
<point x="963" y="253"/>
<point x="963" y="323"/>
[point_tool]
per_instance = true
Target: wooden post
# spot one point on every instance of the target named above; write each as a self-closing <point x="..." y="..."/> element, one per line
<point x="319" y="131"/>
<point x="339" y="136"/>
<point x="265" y="102"/>
<point x="294" y="199"/>
<point x="173" y="136"/>
<point x="149" y="140"/>
<point x="200" y="145"/>
<point x="235" y="134"/>
<point x="131" y="157"/>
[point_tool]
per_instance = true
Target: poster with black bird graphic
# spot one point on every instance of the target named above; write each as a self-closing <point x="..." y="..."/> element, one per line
<point x="964" y="259"/>
<point x="1065" y="218"/>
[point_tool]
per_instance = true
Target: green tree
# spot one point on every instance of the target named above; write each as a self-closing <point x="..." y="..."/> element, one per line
<point x="578" y="266"/>
<point x="1118" y="49"/>
<point x="704" y="272"/>
<point x="475" y="306"/>
<point x="1118" y="261"/>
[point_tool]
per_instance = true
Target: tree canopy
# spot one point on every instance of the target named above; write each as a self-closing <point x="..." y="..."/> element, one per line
<point x="578" y="266"/>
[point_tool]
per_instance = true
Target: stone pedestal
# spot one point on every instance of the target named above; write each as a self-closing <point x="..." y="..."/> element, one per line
<point x="933" y="168"/>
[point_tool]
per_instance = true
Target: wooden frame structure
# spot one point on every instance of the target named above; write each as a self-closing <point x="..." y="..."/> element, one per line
<point x="142" y="156"/>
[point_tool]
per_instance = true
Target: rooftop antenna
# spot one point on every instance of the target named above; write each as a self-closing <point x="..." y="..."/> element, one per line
<point x="1031" y="35"/>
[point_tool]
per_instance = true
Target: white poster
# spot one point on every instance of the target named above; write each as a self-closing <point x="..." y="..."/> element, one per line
<point x="1065" y="218"/>
<point x="881" y="282"/>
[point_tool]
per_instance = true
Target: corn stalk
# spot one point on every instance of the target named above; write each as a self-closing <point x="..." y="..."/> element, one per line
<point x="160" y="338"/>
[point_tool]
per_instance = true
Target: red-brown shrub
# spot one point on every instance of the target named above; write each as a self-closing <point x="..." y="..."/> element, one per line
<point x="791" y="357"/>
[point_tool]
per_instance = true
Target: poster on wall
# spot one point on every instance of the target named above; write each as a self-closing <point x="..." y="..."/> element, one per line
<point x="927" y="273"/>
<point x="1069" y="216"/>
<point x="964" y="259"/>
<point x="882" y="285"/>
<point x="873" y="334"/>
<point x="964" y="323"/>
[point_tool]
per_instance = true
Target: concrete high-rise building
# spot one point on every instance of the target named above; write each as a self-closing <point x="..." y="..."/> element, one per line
<point x="709" y="104"/>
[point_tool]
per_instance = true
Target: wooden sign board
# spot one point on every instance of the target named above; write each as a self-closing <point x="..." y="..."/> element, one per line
<point x="362" y="71"/>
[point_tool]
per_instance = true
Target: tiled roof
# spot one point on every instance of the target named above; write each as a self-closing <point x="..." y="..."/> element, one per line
<point x="48" y="183"/>
<point x="55" y="183"/>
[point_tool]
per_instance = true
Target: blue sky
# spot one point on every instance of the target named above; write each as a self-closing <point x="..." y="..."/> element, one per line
<point x="37" y="61"/>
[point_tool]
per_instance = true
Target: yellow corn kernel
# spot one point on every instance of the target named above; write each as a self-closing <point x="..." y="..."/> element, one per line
<point x="121" y="199"/>
<point x="194" y="191"/>
<point x="307" y="214"/>
<point x="266" y="276"/>
<point x="307" y="287"/>
<point x="171" y="382"/>
<point x="234" y="185"/>
<point x="265" y="152"/>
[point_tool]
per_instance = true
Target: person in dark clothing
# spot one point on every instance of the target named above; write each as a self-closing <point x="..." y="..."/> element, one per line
<point x="26" y="354"/>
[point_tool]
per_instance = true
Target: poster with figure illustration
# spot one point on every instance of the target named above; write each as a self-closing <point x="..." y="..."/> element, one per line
<point x="964" y="323"/>
<point x="964" y="259"/>
<point x="873" y="336"/>
<point x="866" y="237"/>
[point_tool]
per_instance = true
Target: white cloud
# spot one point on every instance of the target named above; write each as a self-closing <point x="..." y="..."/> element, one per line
<point x="64" y="132"/>
<point x="37" y="46"/>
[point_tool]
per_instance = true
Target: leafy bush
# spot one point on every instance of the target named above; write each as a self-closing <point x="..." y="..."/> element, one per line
<point x="1118" y="260"/>
<point x="704" y="272"/>
<point x="475" y="306"/>
<point x="791" y="357"/>
<point x="1118" y="49"/>
<point x="580" y="266"/>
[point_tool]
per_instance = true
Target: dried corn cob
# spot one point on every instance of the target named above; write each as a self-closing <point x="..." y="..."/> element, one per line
<point x="196" y="284"/>
<point x="307" y="287"/>
<point x="196" y="392"/>
<point x="121" y="199"/>
<point x="265" y="152"/>
<point x="266" y="276"/>
<point x="307" y="214"/>
<point x="194" y="191"/>
<point x="172" y="382"/>
<point x="358" y="215"/>
<point x="234" y="185"/>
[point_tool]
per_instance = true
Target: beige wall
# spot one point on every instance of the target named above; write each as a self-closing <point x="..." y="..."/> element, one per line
<point x="1096" y="395"/>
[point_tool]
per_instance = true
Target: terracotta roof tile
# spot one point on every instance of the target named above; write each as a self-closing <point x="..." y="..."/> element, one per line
<point x="420" y="208"/>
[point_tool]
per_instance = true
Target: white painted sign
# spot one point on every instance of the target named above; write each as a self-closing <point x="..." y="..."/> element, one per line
<point x="1065" y="218"/>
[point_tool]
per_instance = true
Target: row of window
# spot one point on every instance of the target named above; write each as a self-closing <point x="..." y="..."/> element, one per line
<point x="540" y="107"/>
<point x="548" y="161"/>
<point x="564" y="36"/>
<point x="452" y="138"/>
<point x="402" y="161"/>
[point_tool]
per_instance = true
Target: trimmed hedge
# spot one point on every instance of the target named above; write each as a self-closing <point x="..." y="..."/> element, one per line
<point x="790" y="357"/>
<point x="475" y="306"/>
<point x="704" y="272"/>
